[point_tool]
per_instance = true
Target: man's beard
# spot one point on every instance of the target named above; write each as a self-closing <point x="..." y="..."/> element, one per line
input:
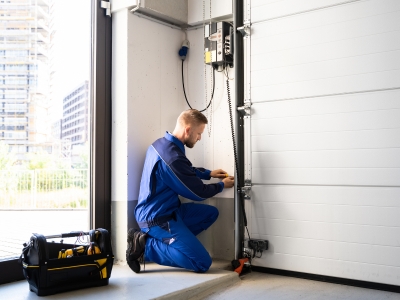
<point x="190" y="143"/>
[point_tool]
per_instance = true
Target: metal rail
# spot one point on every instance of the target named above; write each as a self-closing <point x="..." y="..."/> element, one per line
<point x="239" y="101"/>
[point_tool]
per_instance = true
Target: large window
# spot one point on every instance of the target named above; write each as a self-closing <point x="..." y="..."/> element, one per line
<point x="55" y="122"/>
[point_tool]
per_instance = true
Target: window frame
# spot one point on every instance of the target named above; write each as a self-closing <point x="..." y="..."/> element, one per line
<point x="100" y="181"/>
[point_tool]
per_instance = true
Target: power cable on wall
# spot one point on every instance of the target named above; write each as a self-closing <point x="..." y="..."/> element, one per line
<point x="184" y="92"/>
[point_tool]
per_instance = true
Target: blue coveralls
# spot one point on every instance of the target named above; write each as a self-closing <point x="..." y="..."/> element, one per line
<point x="167" y="173"/>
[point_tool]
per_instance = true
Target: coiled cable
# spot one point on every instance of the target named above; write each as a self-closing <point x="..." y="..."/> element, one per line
<point x="184" y="92"/>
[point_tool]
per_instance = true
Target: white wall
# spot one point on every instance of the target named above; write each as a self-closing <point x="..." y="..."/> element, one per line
<point x="119" y="179"/>
<point x="214" y="151"/>
<point x="154" y="90"/>
<point x="220" y="10"/>
<point x="147" y="99"/>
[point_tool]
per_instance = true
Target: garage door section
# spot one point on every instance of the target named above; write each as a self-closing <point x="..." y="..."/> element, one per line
<point x="325" y="136"/>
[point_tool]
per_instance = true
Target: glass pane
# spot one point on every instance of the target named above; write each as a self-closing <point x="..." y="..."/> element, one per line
<point x="45" y="72"/>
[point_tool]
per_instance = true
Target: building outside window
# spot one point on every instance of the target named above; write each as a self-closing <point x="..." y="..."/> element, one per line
<point x="45" y="108"/>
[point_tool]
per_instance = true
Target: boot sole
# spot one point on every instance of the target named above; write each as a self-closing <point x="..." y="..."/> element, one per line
<point x="134" y="265"/>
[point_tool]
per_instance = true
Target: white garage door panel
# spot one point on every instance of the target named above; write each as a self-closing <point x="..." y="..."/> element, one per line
<point x="379" y="119"/>
<point x="330" y="86"/>
<point x="334" y="195"/>
<point x="335" y="268"/>
<point x="327" y="105"/>
<point x="257" y="3"/>
<point x="335" y="15"/>
<point x="264" y="10"/>
<point x="359" y="65"/>
<point x="381" y="138"/>
<point x="325" y="136"/>
<point x="361" y="253"/>
<point x="334" y="232"/>
<point x="383" y="236"/>
<point x="327" y="213"/>
<point x="324" y="27"/>
<point x="365" y="158"/>
<point x="327" y="176"/>
<point x="333" y="50"/>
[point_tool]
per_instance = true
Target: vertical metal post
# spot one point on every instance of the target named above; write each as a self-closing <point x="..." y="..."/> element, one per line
<point x="239" y="101"/>
<point x="101" y="119"/>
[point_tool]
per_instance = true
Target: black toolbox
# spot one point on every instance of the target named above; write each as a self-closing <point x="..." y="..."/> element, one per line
<point x="54" y="267"/>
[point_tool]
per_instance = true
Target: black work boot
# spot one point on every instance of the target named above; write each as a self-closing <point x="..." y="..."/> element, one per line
<point x="135" y="251"/>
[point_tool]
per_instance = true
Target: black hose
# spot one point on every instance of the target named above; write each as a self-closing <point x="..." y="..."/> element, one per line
<point x="235" y="156"/>
<point x="184" y="92"/>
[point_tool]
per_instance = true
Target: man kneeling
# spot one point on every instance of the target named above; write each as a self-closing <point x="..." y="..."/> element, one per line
<point x="169" y="228"/>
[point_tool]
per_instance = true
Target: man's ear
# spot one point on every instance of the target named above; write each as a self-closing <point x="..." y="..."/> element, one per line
<point x="187" y="130"/>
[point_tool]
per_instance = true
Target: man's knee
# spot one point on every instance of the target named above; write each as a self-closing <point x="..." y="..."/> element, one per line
<point x="203" y="264"/>
<point x="210" y="216"/>
<point x="214" y="213"/>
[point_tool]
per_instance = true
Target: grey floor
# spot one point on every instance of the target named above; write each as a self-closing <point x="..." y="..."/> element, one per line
<point x="267" y="286"/>
<point x="159" y="282"/>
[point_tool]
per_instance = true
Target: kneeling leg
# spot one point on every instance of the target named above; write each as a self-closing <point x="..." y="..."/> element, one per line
<point x="176" y="246"/>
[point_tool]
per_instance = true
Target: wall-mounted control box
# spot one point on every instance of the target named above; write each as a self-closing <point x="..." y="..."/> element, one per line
<point x="218" y="44"/>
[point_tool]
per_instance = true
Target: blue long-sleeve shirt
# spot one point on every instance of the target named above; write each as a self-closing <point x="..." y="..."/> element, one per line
<point x="167" y="173"/>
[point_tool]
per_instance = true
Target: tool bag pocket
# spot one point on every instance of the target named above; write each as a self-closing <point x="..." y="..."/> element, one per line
<point x="49" y="270"/>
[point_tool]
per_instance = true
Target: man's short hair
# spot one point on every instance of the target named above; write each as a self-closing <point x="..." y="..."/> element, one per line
<point x="193" y="117"/>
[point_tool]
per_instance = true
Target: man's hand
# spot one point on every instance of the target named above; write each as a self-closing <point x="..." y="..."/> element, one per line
<point x="218" y="174"/>
<point x="229" y="182"/>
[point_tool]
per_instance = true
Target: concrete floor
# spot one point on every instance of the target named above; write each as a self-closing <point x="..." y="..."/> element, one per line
<point x="170" y="283"/>
<point x="274" y="287"/>
<point x="157" y="282"/>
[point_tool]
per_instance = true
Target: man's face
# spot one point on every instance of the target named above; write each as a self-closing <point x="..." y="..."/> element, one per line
<point x="194" y="135"/>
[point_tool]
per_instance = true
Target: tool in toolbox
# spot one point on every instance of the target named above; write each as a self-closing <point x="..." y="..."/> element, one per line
<point x="52" y="267"/>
